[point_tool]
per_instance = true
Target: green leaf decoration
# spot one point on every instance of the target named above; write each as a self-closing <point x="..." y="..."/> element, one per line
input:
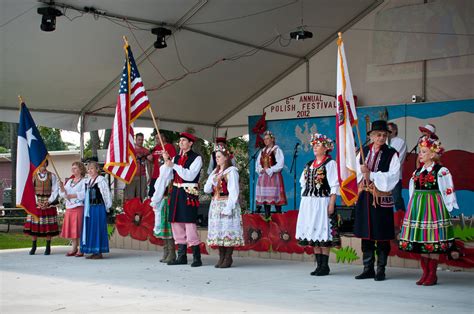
<point x="345" y="254"/>
<point x="465" y="234"/>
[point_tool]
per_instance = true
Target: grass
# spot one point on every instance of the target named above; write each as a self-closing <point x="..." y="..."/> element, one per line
<point x="16" y="239"/>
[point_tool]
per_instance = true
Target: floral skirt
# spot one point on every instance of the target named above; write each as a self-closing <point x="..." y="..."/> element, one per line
<point x="427" y="226"/>
<point x="224" y="230"/>
<point x="162" y="225"/>
<point x="46" y="225"/>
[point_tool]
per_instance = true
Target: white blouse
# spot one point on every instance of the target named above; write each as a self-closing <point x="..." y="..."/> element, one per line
<point x="331" y="174"/>
<point x="104" y="190"/>
<point x="279" y="157"/>
<point x="166" y="175"/>
<point x="79" y="189"/>
<point x="384" y="181"/>
<point x="445" y="185"/>
<point x="232" y="177"/>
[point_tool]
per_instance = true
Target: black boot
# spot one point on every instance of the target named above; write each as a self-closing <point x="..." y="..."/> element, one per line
<point x="324" y="271"/>
<point x="317" y="257"/>
<point x="196" y="256"/>
<point x="182" y="259"/>
<point x="33" y="248"/>
<point x="383" y="249"/>
<point x="227" y="257"/>
<point x="267" y="209"/>
<point x="368" y="250"/>
<point x="48" y="247"/>
<point x="278" y="209"/>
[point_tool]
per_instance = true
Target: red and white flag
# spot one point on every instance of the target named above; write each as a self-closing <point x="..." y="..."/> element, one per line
<point x="132" y="101"/>
<point x="346" y="117"/>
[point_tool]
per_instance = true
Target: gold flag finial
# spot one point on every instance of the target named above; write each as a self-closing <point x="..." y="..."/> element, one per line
<point x="20" y="99"/>
<point x="125" y="41"/>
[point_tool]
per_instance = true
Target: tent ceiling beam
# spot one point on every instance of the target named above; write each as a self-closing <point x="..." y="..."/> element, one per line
<point x="294" y="66"/>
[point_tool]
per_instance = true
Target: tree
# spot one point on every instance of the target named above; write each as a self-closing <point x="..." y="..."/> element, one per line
<point x="5" y="135"/>
<point x="52" y="138"/>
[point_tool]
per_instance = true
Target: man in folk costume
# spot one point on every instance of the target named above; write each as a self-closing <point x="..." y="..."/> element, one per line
<point x="374" y="209"/>
<point x="270" y="187"/>
<point x="183" y="171"/>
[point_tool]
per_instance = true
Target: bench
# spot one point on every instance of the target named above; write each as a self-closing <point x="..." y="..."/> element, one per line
<point x="12" y="214"/>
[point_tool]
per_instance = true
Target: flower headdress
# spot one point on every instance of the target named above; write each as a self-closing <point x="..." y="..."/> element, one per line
<point x="269" y="133"/>
<point x="221" y="148"/>
<point x="433" y="144"/>
<point x="323" y="139"/>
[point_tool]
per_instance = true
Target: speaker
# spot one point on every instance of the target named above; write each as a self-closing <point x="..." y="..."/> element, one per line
<point x="203" y="214"/>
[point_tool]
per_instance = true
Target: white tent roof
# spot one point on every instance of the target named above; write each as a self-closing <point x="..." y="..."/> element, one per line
<point x="75" y="69"/>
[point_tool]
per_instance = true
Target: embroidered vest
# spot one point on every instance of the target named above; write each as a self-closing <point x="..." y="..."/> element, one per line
<point x="185" y="160"/>
<point x="43" y="188"/>
<point x="426" y="180"/>
<point x="381" y="160"/>
<point x="268" y="160"/>
<point x="221" y="187"/>
<point x="317" y="183"/>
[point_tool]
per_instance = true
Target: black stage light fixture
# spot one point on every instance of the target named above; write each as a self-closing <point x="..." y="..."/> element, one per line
<point x="301" y="34"/>
<point x="48" y="21"/>
<point x="161" y="34"/>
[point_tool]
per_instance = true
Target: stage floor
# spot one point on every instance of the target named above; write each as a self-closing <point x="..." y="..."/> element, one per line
<point x="133" y="281"/>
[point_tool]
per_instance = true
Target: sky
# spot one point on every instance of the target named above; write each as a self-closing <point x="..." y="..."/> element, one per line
<point x="74" y="137"/>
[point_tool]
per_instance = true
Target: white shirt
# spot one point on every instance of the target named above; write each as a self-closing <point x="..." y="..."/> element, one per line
<point x="79" y="189"/>
<point x="401" y="147"/>
<point x="166" y="175"/>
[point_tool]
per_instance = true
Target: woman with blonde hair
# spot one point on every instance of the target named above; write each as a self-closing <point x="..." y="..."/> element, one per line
<point x="98" y="200"/>
<point x="74" y="192"/>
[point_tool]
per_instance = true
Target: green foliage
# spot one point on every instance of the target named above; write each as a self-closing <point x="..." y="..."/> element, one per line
<point x="465" y="234"/>
<point x="110" y="230"/>
<point x="345" y="254"/>
<point x="3" y="150"/>
<point x="16" y="240"/>
<point x="5" y="135"/>
<point x="52" y="138"/>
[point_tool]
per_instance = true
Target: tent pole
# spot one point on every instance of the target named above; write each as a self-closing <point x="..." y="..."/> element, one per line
<point x="81" y="134"/>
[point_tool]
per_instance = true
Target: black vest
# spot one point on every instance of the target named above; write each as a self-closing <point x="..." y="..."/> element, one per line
<point x="95" y="197"/>
<point x="191" y="157"/>
<point x="381" y="161"/>
<point x="317" y="183"/>
<point x="427" y="180"/>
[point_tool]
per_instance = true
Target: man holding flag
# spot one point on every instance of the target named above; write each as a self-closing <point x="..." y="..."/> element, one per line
<point x="376" y="170"/>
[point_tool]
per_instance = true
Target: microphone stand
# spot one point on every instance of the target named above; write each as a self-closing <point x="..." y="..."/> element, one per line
<point x="254" y="156"/>
<point x="293" y="163"/>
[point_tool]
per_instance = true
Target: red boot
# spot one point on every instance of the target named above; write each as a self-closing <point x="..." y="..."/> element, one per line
<point x="424" y="267"/>
<point x="431" y="279"/>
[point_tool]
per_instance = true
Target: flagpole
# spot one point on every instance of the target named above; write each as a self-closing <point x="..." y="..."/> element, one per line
<point x="156" y="127"/>
<point x="20" y="99"/>
<point x="54" y="167"/>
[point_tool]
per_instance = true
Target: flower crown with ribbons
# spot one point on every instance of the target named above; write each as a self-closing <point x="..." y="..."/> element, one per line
<point x="269" y="133"/>
<point x="323" y="139"/>
<point x="221" y="148"/>
<point x="431" y="143"/>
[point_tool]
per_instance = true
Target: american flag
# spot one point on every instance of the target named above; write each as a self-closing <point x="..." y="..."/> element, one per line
<point x="132" y="101"/>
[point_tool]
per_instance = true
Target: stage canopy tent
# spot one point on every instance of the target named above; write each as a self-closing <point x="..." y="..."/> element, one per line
<point x="221" y="55"/>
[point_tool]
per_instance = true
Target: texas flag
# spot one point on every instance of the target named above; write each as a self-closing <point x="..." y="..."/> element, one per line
<point x="31" y="154"/>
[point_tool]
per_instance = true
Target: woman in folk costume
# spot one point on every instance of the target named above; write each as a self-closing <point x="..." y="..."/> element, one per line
<point x="374" y="224"/>
<point x="270" y="188"/>
<point x="98" y="200"/>
<point x="46" y="224"/>
<point x="316" y="225"/>
<point x="162" y="227"/>
<point x="427" y="228"/>
<point x="225" y="220"/>
<point x="74" y="192"/>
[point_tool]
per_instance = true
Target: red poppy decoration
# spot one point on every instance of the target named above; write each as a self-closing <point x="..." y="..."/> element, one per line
<point x="282" y="233"/>
<point x="449" y="191"/>
<point x="138" y="219"/>
<point x="430" y="178"/>
<point x="255" y="233"/>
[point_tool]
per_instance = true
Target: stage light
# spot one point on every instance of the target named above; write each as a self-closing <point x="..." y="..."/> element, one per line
<point x="301" y="34"/>
<point x="48" y="21"/>
<point x="161" y="34"/>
